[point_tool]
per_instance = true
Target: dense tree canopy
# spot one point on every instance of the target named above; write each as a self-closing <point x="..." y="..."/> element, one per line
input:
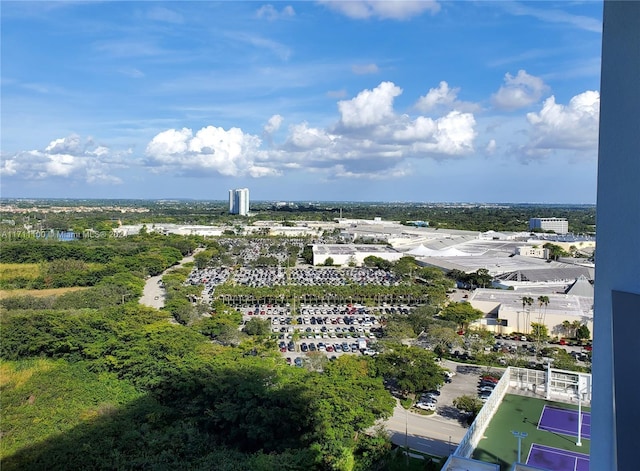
<point x="461" y="313"/>
<point x="409" y="369"/>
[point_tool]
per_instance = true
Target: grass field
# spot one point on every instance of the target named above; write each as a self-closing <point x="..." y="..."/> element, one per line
<point x="521" y="414"/>
<point x="10" y="271"/>
<point x="40" y="293"/>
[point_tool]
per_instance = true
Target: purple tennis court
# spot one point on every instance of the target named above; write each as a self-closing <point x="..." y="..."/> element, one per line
<point x="547" y="457"/>
<point x="565" y="421"/>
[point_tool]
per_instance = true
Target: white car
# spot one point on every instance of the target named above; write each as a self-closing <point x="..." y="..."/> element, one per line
<point x="426" y="406"/>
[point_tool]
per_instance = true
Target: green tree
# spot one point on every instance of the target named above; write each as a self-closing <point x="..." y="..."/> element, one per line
<point x="442" y="338"/>
<point x="575" y="325"/>
<point x="405" y="267"/>
<point x="539" y="331"/>
<point x="583" y="332"/>
<point x="566" y="328"/>
<point x="469" y="404"/>
<point x="421" y="318"/>
<point x="202" y="259"/>
<point x="399" y="328"/>
<point x="563" y="360"/>
<point x="372" y="261"/>
<point x="482" y="277"/>
<point x="411" y="369"/>
<point x="555" y="251"/>
<point x="315" y="361"/>
<point x="461" y="313"/>
<point x="257" y="327"/>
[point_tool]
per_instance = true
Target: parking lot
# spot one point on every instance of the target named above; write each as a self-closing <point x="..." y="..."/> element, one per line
<point x="257" y="277"/>
<point x="329" y="329"/>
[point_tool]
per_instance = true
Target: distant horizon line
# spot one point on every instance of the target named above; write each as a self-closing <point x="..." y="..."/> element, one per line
<point x="256" y="201"/>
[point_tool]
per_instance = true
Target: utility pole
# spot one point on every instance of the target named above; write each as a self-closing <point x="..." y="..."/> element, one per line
<point x="406" y="435"/>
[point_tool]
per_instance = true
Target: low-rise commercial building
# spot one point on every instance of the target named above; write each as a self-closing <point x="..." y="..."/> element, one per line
<point x="506" y="312"/>
<point x="352" y="254"/>
<point x="557" y="225"/>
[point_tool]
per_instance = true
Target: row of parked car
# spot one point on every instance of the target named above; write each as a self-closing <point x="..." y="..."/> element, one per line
<point x="486" y="386"/>
<point x="428" y="400"/>
<point x="359" y="346"/>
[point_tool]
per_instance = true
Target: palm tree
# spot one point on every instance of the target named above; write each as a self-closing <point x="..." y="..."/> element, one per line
<point x="542" y="300"/>
<point x="575" y="325"/>
<point x="566" y="326"/>
<point x="526" y="301"/>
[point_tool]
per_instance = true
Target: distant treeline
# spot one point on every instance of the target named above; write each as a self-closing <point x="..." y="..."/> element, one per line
<point x="503" y="217"/>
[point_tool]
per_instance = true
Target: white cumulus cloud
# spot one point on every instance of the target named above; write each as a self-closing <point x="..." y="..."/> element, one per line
<point x="66" y="145"/>
<point x="302" y="137"/>
<point x="452" y="135"/>
<point x="273" y="124"/>
<point x="519" y="91"/>
<point x="211" y="150"/>
<point x="444" y="98"/>
<point x="367" y="139"/>
<point x="443" y="95"/>
<point x="69" y="158"/>
<point x="572" y="126"/>
<point x="371" y="139"/>
<point x="369" y="107"/>
<point x="169" y="142"/>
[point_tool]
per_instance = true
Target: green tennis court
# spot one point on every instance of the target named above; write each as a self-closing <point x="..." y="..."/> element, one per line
<point x="522" y="414"/>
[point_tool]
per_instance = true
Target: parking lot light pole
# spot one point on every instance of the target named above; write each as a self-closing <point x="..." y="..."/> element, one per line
<point x="519" y="436"/>
<point x="406" y="434"/>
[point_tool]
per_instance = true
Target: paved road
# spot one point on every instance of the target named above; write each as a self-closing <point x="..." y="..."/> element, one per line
<point x="153" y="293"/>
<point x="434" y="434"/>
<point x="440" y="433"/>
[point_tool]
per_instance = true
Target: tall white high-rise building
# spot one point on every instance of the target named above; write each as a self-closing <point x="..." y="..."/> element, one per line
<point x="239" y="201"/>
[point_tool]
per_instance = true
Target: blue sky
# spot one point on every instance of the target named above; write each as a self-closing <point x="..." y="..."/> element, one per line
<point x="423" y="101"/>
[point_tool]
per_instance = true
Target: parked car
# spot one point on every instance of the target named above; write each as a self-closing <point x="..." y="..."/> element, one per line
<point x="426" y="406"/>
<point x="490" y="379"/>
<point x="484" y="396"/>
